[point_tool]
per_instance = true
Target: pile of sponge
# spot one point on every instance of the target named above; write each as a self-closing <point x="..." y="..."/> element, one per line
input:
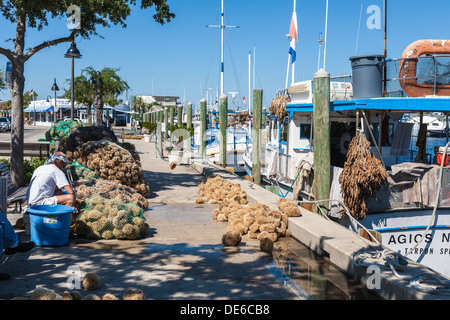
<point x="256" y="220"/>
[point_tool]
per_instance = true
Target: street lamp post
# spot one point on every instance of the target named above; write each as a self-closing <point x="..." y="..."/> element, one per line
<point x="97" y="80"/>
<point x="55" y="88"/>
<point x="74" y="54"/>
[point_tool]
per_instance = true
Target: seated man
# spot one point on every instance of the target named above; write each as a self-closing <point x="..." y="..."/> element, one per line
<point x="49" y="181"/>
<point x="11" y="241"/>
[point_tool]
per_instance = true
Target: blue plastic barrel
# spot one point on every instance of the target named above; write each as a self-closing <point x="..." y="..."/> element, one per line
<point x="50" y="224"/>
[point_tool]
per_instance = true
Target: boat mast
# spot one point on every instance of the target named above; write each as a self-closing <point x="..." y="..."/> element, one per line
<point x="249" y="83"/>
<point x="385" y="46"/>
<point x="222" y="28"/>
<point x="326" y="34"/>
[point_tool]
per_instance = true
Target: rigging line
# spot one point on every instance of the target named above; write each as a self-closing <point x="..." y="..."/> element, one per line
<point x="359" y="28"/>
<point x="212" y="58"/>
<point x="233" y="63"/>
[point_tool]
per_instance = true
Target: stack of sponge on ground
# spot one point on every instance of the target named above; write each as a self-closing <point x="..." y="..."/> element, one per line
<point x="256" y="220"/>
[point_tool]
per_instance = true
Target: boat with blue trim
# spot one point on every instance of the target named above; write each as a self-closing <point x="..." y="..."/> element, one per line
<point x="411" y="210"/>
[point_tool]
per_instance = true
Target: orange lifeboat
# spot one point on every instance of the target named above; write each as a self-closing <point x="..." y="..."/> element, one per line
<point x="408" y="68"/>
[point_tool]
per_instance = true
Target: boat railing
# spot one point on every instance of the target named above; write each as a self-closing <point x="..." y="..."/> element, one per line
<point x="431" y="72"/>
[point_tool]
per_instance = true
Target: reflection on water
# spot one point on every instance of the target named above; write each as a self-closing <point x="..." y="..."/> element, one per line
<point x="312" y="277"/>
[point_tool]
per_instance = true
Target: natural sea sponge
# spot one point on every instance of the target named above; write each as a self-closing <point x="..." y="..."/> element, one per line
<point x="75" y="295"/>
<point x="256" y="220"/>
<point x="232" y="238"/>
<point x="91" y="297"/>
<point x="109" y="296"/>
<point x="134" y="294"/>
<point x="41" y="293"/>
<point x="266" y="244"/>
<point x="91" y="281"/>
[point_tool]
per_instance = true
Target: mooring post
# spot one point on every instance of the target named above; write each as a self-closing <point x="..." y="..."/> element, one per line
<point x="256" y="135"/>
<point x="166" y="123"/>
<point x="189" y="124"/>
<point x="180" y="115"/>
<point x="189" y="115"/>
<point x="203" y="128"/>
<point x="172" y="115"/>
<point x="223" y="106"/>
<point x="322" y="162"/>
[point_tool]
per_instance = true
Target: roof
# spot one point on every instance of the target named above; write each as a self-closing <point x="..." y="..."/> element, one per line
<point x="41" y="108"/>
<point x="427" y="104"/>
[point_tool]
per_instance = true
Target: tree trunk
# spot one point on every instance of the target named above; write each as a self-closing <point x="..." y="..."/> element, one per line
<point x="17" y="126"/>
<point x="18" y="84"/>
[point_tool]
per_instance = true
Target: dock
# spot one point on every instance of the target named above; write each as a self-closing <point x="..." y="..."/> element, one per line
<point x="182" y="256"/>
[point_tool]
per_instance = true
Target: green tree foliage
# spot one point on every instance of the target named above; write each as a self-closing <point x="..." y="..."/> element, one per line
<point x="36" y="14"/>
<point x="113" y="86"/>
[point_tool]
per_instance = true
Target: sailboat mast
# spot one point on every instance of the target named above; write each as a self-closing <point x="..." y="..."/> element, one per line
<point x="222" y="26"/>
<point x="222" y="64"/>
<point x="385" y="47"/>
<point x="326" y="38"/>
<point x="249" y="83"/>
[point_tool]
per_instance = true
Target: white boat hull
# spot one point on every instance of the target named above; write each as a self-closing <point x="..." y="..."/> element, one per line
<point x="402" y="230"/>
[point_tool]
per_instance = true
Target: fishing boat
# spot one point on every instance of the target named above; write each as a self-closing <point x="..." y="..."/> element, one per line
<point x="410" y="210"/>
<point x="237" y="133"/>
<point x="437" y="124"/>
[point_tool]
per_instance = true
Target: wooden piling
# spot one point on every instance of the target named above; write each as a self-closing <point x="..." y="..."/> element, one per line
<point x="223" y="107"/>
<point x="180" y="116"/>
<point x="322" y="162"/>
<point x="256" y="135"/>
<point x="203" y="128"/>
<point x="166" y="123"/>
<point x="189" y="115"/>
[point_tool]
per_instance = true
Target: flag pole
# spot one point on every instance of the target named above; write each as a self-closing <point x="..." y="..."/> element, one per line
<point x="326" y="33"/>
<point x="294" y="42"/>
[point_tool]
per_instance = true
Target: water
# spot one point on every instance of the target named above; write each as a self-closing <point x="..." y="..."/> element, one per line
<point x="313" y="277"/>
<point x="431" y="143"/>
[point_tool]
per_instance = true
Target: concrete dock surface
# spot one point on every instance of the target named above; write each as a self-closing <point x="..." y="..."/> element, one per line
<point x="182" y="256"/>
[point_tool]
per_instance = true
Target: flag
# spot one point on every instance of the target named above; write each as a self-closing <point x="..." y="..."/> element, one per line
<point x="292" y="53"/>
<point x="293" y="34"/>
<point x="30" y="93"/>
<point x="293" y="29"/>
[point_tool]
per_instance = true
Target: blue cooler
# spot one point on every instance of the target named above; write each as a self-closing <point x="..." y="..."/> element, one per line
<point x="50" y="224"/>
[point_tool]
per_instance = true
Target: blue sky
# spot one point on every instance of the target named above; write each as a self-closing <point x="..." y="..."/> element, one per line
<point x="181" y="58"/>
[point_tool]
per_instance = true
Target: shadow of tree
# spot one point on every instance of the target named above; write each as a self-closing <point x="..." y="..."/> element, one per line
<point x="162" y="271"/>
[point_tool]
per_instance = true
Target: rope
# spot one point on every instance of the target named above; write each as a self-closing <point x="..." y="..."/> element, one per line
<point x="437" y="201"/>
<point x="435" y="284"/>
<point x="394" y="261"/>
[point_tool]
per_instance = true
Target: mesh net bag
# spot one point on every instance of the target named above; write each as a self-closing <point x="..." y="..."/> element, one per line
<point x="114" y="163"/>
<point x="109" y="190"/>
<point x="80" y="172"/>
<point x="86" y="134"/>
<point x="61" y="129"/>
<point x="102" y="218"/>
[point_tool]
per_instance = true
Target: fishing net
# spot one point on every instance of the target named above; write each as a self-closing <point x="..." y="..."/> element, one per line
<point x="85" y="134"/>
<point x="361" y="177"/>
<point x="102" y="218"/>
<point x="110" y="190"/>
<point x="80" y="172"/>
<point x="61" y="129"/>
<point x="114" y="163"/>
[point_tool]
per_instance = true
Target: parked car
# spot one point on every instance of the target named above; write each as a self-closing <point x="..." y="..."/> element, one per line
<point x="70" y="118"/>
<point x="5" y="124"/>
